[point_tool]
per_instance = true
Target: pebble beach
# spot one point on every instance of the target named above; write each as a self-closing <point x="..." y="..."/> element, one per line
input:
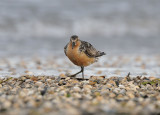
<point x="115" y="85"/>
<point x="34" y="71"/>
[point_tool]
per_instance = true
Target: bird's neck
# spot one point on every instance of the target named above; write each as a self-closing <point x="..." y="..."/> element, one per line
<point x="78" y="43"/>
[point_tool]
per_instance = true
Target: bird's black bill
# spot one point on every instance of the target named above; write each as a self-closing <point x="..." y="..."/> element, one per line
<point x="73" y="44"/>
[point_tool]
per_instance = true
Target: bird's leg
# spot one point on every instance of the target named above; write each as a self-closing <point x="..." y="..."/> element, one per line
<point x="77" y="72"/>
<point x="82" y="69"/>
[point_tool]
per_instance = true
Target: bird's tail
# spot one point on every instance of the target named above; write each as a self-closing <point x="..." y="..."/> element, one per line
<point x="99" y="53"/>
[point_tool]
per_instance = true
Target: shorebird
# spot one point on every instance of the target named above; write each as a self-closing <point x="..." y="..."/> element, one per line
<point x="81" y="53"/>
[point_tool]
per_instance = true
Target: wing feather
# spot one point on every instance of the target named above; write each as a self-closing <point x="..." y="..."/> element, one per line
<point x="90" y="50"/>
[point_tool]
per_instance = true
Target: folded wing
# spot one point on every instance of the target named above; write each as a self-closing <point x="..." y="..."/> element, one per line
<point x="89" y="50"/>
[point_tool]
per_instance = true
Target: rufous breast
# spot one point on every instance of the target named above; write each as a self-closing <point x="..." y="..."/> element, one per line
<point x="77" y="57"/>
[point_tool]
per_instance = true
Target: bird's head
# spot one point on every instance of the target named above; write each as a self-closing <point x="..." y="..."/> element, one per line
<point x="74" y="39"/>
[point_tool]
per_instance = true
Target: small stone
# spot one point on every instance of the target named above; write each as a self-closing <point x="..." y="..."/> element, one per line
<point x="47" y="106"/>
<point x="62" y="93"/>
<point x="93" y="78"/>
<point x="38" y="83"/>
<point x="62" y="82"/>
<point x="75" y="81"/>
<point x="76" y="89"/>
<point x="22" y="94"/>
<point x="34" y="78"/>
<point x="85" y="82"/>
<point x="23" y="78"/>
<point x="68" y="78"/>
<point x="91" y="82"/>
<point x="31" y="103"/>
<point x="97" y="93"/>
<point x="112" y="95"/>
<point x="28" y="86"/>
<point x="7" y="104"/>
<point x="99" y="72"/>
<point x="120" y="96"/>
<point x="122" y="91"/>
<point x="131" y="104"/>
<point x="87" y="87"/>
<point x="116" y="90"/>
<point x="152" y="78"/>
<point x="28" y="80"/>
<point x="62" y="75"/>
<point x="122" y="86"/>
<point x="30" y="92"/>
<point x="77" y="95"/>
<point x="130" y="95"/>
<point x="158" y="97"/>
<point x="29" y="72"/>
<point x="49" y="80"/>
<point x="109" y="85"/>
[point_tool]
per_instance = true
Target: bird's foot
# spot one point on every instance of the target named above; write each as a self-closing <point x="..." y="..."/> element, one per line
<point x="72" y="75"/>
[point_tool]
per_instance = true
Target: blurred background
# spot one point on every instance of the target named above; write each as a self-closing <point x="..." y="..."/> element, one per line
<point x="42" y="27"/>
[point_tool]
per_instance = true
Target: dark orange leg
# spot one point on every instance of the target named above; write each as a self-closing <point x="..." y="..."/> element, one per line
<point x="82" y="70"/>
